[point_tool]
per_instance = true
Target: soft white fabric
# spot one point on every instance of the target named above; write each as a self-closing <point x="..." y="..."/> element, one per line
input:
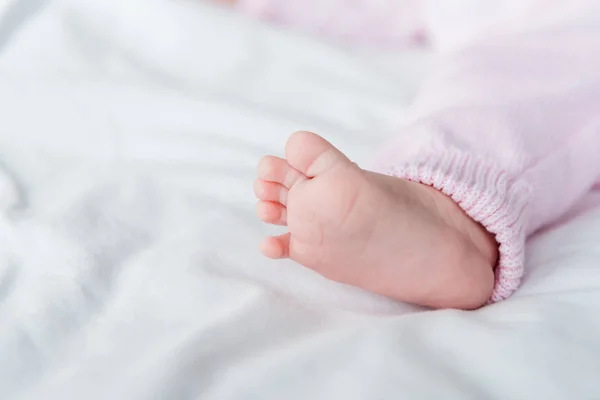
<point x="129" y="132"/>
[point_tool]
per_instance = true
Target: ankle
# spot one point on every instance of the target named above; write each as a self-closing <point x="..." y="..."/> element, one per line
<point x="472" y="231"/>
<point x="469" y="253"/>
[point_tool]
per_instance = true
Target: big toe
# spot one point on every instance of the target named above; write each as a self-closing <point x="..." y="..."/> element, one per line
<point x="312" y="155"/>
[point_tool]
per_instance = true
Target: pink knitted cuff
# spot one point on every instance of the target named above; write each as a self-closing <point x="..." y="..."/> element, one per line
<point x="489" y="196"/>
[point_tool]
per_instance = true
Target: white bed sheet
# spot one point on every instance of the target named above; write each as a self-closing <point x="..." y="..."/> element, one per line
<point x="129" y="133"/>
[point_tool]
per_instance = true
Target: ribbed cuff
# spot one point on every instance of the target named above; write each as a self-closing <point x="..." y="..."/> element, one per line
<point x="488" y="195"/>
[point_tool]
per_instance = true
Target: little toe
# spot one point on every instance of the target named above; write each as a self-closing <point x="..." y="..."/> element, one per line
<point x="276" y="247"/>
<point x="271" y="212"/>
<point x="270" y="191"/>
<point x="312" y="155"/>
<point x="275" y="169"/>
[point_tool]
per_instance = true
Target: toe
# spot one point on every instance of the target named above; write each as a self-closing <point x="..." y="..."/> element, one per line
<point x="276" y="247"/>
<point x="275" y="169"/>
<point x="271" y="212"/>
<point x="270" y="191"/>
<point x="311" y="154"/>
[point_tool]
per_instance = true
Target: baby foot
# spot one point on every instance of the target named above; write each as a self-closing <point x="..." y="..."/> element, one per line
<point x="387" y="235"/>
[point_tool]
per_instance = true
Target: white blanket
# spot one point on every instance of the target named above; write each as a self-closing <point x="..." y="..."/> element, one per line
<point x="129" y="133"/>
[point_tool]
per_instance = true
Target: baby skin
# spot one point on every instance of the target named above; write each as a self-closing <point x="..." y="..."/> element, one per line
<point x="384" y="234"/>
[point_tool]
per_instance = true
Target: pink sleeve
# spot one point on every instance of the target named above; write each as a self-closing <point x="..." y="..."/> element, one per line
<point x="510" y="128"/>
<point x="392" y="22"/>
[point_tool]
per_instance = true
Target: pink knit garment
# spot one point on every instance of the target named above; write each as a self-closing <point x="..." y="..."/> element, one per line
<point x="509" y="126"/>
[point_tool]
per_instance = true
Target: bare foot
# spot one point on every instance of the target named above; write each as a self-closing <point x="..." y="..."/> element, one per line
<point x="227" y="2"/>
<point x="384" y="234"/>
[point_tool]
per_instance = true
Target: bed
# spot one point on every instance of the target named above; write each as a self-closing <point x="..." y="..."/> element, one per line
<point x="129" y="134"/>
